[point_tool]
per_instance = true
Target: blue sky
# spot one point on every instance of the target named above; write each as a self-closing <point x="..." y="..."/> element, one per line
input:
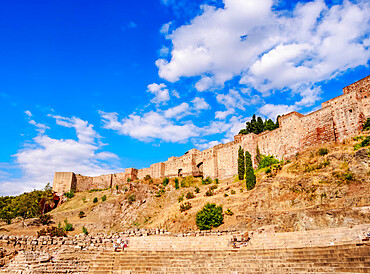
<point x="95" y="87"/>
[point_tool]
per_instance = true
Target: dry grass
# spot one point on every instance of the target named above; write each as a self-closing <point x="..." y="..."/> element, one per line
<point x="308" y="186"/>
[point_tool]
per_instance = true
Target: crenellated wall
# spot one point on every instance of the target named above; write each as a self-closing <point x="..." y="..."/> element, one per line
<point x="338" y="118"/>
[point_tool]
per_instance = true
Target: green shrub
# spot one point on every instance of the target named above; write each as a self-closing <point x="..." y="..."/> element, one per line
<point x="229" y="212"/>
<point x="116" y="187"/>
<point x="84" y="199"/>
<point x="187" y="181"/>
<point x="160" y="192"/>
<point x="366" y="125"/>
<point x="131" y="198"/>
<point x="323" y="151"/>
<point x="197" y="190"/>
<point x="67" y="226"/>
<point x="226" y="195"/>
<point x="147" y="177"/>
<point x="210" y="216"/>
<point x="364" y="143"/>
<point x="129" y="180"/>
<point x="45" y="219"/>
<point x="52" y="232"/>
<point x="210" y="192"/>
<point x="70" y="194"/>
<point x="81" y="214"/>
<point x="348" y="176"/>
<point x="233" y="192"/>
<point x="267" y="161"/>
<point x="95" y="200"/>
<point x="207" y="181"/>
<point x="104" y="198"/>
<point x="84" y="230"/>
<point x="190" y="195"/>
<point x="185" y="206"/>
<point x="216" y="181"/>
<point x="181" y="198"/>
<point x="166" y="181"/>
<point x="213" y="187"/>
<point x="268" y="170"/>
<point x="177" y="183"/>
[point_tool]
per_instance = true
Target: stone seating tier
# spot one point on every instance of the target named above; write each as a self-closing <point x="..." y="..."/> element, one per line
<point x="350" y="258"/>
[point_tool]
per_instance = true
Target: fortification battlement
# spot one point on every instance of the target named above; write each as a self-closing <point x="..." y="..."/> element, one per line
<point x="338" y="118"/>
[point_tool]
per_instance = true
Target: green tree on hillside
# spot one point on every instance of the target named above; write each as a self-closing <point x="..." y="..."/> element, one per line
<point x="241" y="168"/>
<point x="256" y="125"/>
<point x="250" y="178"/>
<point x="210" y="216"/>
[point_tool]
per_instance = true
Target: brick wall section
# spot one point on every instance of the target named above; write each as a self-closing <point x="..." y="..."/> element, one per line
<point x="339" y="118"/>
<point x="84" y="183"/>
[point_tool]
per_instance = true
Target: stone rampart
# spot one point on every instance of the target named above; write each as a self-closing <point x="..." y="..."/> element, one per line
<point x="339" y="118"/>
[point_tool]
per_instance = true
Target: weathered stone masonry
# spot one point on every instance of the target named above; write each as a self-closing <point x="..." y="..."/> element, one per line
<point x="338" y="119"/>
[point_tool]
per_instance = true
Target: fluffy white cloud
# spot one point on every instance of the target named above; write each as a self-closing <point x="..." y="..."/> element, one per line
<point x="152" y="125"/>
<point x="270" y="49"/>
<point x="234" y="100"/>
<point x="200" y="104"/>
<point x="175" y="93"/>
<point x="161" y="94"/>
<point x="204" y="144"/>
<point x="204" y="83"/>
<point x="43" y="156"/>
<point x="28" y="113"/>
<point x="272" y="111"/>
<point x="178" y="111"/>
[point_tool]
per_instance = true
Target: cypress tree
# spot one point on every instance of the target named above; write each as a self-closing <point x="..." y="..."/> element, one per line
<point x="250" y="178"/>
<point x="277" y="121"/>
<point x="259" y="126"/>
<point x="258" y="155"/>
<point x="241" y="167"/>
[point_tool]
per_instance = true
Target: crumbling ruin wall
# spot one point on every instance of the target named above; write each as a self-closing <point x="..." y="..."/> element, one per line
<point x="141" y="173"/>
<point x="339" y="118"/>
<point x="64" y="182"/>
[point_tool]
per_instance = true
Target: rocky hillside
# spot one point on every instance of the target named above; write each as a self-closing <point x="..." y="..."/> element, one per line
<point x="326" y="186"/>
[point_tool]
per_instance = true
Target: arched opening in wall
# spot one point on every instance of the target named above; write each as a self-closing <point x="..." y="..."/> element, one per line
<point x="179" y="173"/>
<point x="199" y="171"/>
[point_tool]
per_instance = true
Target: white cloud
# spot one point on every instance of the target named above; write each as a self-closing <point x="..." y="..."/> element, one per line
<point x="152" y="125"/>
<point x="174" y="93"/>
<point x="270" y="49"/>
<point x="165" y="28"/>
<point x="161" y="94"/>
<point x="40" y="127"/>
<point x="200" y="104"/>
<point x="234" y="100"/>
<point x="204" y="83"/>
<point x="28" y="113"/>
<point x="43" y="156"/>
<point x="272" y="111"/>
<point x="223" y="114"/>
<point x="164" y="51"/>
<point x="204" y="145"/>
<point x="178" y="111"/>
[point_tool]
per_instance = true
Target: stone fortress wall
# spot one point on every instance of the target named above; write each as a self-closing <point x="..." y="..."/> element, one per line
<point x="338" y="119"/>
